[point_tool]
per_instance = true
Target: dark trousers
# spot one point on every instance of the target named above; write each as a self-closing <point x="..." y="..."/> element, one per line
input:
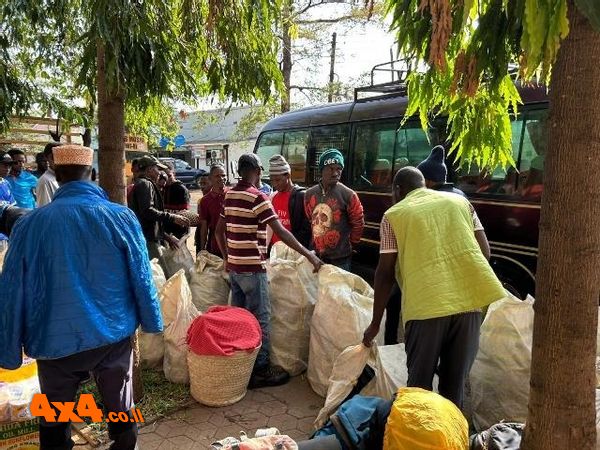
<point x="452" y="341"/>
<point x="343" y="263"/>
<point x="111" y="367"/>
<point x="392" y="316"/>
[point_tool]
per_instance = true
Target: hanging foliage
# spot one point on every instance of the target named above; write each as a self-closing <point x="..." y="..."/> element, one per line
<point x="463" y="50"/>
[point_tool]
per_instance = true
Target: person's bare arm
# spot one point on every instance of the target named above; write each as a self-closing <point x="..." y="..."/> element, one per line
<point x="220" y="237"/>
<point x="384" y="280"/>
<point x="289" y="240"/>
<point x="484" y="245"/>
<point x="203" y="234"/>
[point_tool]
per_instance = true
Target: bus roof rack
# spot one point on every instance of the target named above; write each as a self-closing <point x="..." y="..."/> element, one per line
<point x="399" y="70"/>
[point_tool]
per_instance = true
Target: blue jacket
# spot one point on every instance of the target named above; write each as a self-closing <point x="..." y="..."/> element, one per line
<point x="76" y="277"/>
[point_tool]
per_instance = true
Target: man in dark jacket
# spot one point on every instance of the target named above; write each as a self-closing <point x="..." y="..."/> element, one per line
<point x="147" y="203"/>
<point x="435" y="172"/>
<point x="176" y="199"/>
<point x="288" y="201"/>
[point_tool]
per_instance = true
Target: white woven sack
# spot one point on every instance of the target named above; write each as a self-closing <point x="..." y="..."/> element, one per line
<point x="174" y="289"/>
<point x="175" y="363"/>
<point x="293" y="289"/>
<point x="152" y="349"/>
<point x="343" y="311"/>
<point x="174" y="260"/>
<point x="208" y="283"/>
<point x="158" y="275"/>
<point x="500" y="374"/>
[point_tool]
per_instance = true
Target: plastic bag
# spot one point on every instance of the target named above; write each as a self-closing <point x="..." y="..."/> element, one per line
<point x="174" y="289"/>
<point x="343" y="311"/>
<point x="500" y="374"/>
<point x="293" y="289"/>
<point x="175" y="260"/>
<point x="175" y="363"/>
<point x="348" y="367"/>
<point x="424" y="420"/>
<point x="158" y="275"/>
<point x="207" y="281"/>
<point x="17" y="388"/>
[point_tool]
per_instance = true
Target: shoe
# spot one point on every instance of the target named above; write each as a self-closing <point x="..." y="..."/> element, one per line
<point x="268" y="376"/>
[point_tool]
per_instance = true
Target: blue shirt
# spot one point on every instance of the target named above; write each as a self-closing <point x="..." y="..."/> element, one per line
<point x="22" y="189"/>
<point x="76" y="277"/>
<point x="5" y="196"/>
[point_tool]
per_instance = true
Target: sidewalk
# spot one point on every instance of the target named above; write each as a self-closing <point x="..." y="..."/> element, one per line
<point x="291" y="408"/>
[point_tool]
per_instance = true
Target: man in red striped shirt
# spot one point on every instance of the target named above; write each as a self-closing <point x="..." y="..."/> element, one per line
<point x="241" y="235"/>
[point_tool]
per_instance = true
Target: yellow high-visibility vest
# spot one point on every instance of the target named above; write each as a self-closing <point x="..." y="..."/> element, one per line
<point x="440" y="267"/>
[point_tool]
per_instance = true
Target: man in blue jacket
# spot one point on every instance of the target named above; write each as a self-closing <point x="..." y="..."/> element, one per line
<point x="76" y="284"/>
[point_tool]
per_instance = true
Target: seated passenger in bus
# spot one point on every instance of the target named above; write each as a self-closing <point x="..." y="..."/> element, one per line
<point x="435" y="172"/>
<point x="533" y="184"/>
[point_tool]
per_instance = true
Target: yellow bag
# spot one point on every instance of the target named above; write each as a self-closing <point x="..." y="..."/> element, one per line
<point x="424" y="420"/>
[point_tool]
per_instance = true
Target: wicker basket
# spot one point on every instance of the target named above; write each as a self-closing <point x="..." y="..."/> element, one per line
<point x="220" y="380"/>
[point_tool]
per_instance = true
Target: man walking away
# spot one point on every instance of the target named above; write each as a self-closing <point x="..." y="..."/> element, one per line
<point x="435" y="172"/>
<point x="22" y="183"/>
<point x="209" y="210"/>
<point x="335" y="212"/>
<point x="288" y="201"/>
<point x="76" y="284"/>
<point x="432" y="242"/>
<point x="47" y="184"/>
<point x="177" y="198"/>
<point x="241" y="235"/>
<point x="147" y="203"/>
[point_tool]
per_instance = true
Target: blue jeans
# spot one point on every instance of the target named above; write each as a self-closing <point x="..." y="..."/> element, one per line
<point x="251" y="291"/>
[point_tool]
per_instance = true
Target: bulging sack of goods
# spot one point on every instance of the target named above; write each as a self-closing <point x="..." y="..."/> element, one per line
<point x="17" y="388"/>
<point x="222" y="347"/>
<point x="158" y="275"/>
<point x="208" y="282"/>
<point x="500" y="374"/>
<point x="176" y="259"/>
<point x="175" y="359"/>
<point x="293" y="289"/>
<point x="343" y="311"/>
<point x="389" y="367"/>
<point x="174" y="289"/>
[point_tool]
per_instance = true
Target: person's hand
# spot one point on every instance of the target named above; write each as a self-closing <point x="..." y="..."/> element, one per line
<point x="370" y="334"/>
<point x="181" y="221"/>
<point x="316" y="262"/>
<point x="172" y="241"/>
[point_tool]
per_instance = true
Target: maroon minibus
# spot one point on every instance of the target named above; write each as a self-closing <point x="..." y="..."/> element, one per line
<point x="375" y="145"/>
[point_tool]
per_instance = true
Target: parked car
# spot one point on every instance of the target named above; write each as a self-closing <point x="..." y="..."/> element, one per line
<point x="184" y="172"/>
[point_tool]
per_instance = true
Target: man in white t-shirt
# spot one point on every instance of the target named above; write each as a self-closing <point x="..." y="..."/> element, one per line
<point x="47" y="184"/>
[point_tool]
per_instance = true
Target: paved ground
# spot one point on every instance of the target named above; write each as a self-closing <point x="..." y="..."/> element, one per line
<point x="291" y="408"/>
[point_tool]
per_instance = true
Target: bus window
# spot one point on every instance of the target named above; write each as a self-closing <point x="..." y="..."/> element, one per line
<point x="295" y="149"/>
<point x="533" y="153"/>
<point x="269" y="145"/>
<point x="373" y="155"/>
<point x="412" y="145"/>
<point x="501" y="181"/>
<point x="323" y="138"/>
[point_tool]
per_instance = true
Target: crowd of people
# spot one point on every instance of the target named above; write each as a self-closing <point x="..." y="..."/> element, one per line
<point x="77" y="280"/>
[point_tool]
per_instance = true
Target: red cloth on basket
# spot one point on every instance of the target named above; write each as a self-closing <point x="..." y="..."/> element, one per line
<point x="224" y="330"/>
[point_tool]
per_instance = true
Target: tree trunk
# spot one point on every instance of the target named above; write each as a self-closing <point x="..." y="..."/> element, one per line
<point x="562" y="398"/>
<point x="111" y="137"/>
<point x="286" y="60"/>
<point x="111" y="169"/>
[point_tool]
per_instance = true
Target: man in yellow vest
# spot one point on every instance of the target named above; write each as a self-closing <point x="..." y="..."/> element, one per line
<point x="434" y="245"/>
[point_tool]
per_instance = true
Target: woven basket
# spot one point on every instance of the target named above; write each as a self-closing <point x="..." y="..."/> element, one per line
<point x="220" y="380"/>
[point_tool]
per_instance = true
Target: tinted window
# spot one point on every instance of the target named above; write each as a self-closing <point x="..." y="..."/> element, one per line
<point x="323" y="138"/>
<point x="533" y="153"/>
<point x="180" y="165"/>
<point x="373" y="155"/>
<point x="413" y="145"/>
<point x="295" y="150"/>
<point x="269" y="144"/>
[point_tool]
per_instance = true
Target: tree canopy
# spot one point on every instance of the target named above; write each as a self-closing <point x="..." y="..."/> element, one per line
<point x="155" y="52"/>
<point x="462" y="54"/>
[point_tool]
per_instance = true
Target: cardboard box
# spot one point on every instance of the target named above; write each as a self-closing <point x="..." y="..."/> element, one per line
<point x="23" y="435"/>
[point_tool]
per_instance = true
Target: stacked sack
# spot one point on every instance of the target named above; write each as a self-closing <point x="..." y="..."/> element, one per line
<point x="152" y="347"/>
<point x="223" y="344"/>
<point x="293" y="293"/>
<point x="343" y="311"/>
<point x="208" y="282"/>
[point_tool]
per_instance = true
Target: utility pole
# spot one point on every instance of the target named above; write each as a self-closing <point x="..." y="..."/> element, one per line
<point x="332" y="67"/>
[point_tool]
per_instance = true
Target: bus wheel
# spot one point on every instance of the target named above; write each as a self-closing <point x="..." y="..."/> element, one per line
<point x="514" y="279"/>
